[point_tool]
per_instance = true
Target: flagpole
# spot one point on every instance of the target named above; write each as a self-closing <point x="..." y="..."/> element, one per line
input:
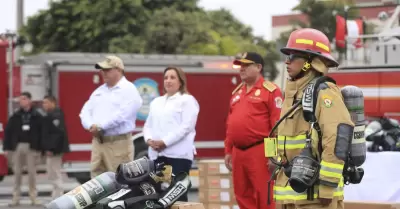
<point x="346" y="13"/>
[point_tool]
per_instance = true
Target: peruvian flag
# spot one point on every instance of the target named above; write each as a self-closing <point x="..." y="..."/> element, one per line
<point x="354" y="28"/>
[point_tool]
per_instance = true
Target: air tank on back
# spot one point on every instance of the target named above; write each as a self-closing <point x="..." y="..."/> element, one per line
<point x="88" y="193"/>
<point x="354" y="101"/>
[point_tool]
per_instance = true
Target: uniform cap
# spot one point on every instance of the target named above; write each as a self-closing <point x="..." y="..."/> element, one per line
<point x="110" y="62"/>
<point x="249" y="58"/>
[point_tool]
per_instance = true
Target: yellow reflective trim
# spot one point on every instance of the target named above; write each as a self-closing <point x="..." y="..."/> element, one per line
<point x="331" y="170"/>
<point x="291" y="146"/>
<point x="287" y="193"/>
<point x="293" y="197"/>
<point x="291" y="142"/>
<point x="338" y="193"/>
<point x="341" y="183"/>
<point x="288" y="138"/>
<point x="304" y="41"/>
<point x="332" y="165"/>
<point x="322" y="46"/>
<point x="330" y="174"/>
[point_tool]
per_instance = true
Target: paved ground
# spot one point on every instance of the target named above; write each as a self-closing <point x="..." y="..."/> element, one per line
<point x="44" y="189"/>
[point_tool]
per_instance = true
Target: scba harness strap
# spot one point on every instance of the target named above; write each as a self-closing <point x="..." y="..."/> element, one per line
<point x="309" y="102"/>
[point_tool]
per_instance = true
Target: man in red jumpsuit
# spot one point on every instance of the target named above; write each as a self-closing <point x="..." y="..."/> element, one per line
<point x="254" y="109"/>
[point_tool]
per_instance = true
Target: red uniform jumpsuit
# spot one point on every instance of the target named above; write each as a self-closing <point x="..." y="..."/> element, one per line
<point x="252" y="115"/>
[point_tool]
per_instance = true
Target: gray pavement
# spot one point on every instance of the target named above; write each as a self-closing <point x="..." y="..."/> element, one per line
<point x="44" y="189"/>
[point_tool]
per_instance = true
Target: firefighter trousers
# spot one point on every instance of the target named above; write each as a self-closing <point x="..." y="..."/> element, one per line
<point x="337" y="204"/>
<point x="250" y="178"/>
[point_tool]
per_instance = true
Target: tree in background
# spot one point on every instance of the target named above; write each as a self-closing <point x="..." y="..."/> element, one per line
<point x="143" y="26"/>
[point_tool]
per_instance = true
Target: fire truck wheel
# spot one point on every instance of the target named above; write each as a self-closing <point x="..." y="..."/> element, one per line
<point x="1" y="178"/>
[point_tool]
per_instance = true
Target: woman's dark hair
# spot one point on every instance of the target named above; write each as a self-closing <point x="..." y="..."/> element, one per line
<point x="181" y="77"/>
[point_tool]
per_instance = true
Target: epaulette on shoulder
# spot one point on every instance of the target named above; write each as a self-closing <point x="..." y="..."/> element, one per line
<point x="237" y="88"/>
<point x="269" y="86"/>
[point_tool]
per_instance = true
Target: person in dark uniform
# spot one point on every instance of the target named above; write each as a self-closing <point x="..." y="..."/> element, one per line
<point x="22" y="143"/>
<point x="55" y="143"/>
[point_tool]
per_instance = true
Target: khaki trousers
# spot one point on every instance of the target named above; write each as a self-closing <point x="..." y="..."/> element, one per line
<point x="108" y="155"/>
<point x="336" y="204"/>
<point x="54" y="164"/>
<point x="23" y="153"/>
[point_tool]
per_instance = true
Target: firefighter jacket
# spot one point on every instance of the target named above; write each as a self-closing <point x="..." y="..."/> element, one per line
<point x="330" y="111"/>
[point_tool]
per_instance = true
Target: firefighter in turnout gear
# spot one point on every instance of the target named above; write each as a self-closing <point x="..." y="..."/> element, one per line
<point x="308" y="58"/>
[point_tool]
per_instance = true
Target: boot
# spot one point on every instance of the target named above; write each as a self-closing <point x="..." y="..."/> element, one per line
<point x="15" y="200"/>
<point x="34" y="200"/>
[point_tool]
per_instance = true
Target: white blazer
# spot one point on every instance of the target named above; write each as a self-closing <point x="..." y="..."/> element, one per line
<point x="173" y="120"/>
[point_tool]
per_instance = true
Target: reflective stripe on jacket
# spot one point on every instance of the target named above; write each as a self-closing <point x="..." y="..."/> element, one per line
<point x="286" y="193"/>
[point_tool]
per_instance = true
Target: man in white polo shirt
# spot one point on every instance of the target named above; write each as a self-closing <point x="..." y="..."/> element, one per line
<point x="110" y="115"/>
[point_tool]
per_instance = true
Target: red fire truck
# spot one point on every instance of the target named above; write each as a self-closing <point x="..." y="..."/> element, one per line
<point x="71" y="77"/>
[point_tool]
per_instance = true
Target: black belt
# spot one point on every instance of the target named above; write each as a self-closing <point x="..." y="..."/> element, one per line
<point x="250" y="146"/>
<point x="104" y="139"/>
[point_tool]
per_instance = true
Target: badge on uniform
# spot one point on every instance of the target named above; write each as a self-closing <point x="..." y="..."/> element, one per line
<point x="327" y="101"/>
<point x="278" y="102"/>
<point x="257" y="93"/>
<point x="26" y="127"/>
<point x="270" y="147"/>
<point x="56" y="122"/>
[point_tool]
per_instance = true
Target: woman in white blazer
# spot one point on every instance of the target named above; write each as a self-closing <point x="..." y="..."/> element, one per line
<point x="170" y="126"/>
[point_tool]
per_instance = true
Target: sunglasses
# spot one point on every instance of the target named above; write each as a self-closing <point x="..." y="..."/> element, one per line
<point x="292" y="57"/>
